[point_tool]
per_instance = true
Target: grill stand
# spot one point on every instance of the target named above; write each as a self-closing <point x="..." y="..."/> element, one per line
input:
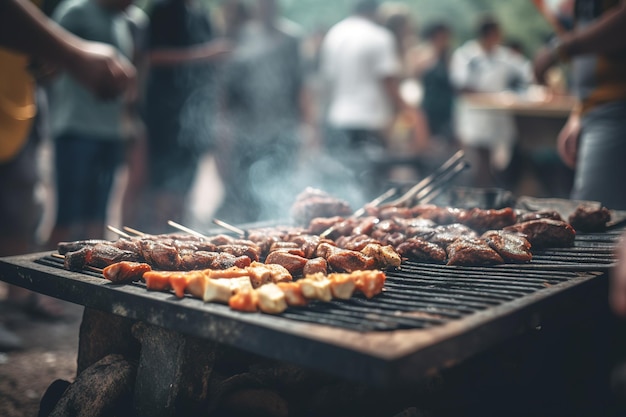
<point x="185" y="376"/>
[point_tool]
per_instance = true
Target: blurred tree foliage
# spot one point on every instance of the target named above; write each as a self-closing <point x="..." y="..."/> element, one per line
<point x="519" y="18"/>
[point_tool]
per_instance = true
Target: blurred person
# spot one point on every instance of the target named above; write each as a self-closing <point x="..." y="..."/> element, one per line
<point x="30" y="35"/>
<point x="231" y="17"/>
<point x="431" y="66"/>
<point x="483" y="70"/>
<point x="179" y="104"/>
<point x="263" y="104"/>
<point x="409" y="131"/>
<point x="592" y="140"/>
<point x="134" y="128"/>
<point x="87" y="131"/>
<point x="361" y="68"/>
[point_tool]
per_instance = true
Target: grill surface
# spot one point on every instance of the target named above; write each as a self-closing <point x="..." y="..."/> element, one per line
<point x="420" y="296"/>
<point x="429" y="317"/>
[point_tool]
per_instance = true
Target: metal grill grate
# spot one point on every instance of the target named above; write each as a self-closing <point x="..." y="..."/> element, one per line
<point x="420" y="295"/>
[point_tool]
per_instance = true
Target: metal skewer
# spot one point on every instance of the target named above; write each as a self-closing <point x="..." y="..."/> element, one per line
<point x="451" y="163"/>
<point x="185" y="229"/>
<point x="133" y="231"/>
<point x="119" y="232"/>
<point x="230" y="227"/>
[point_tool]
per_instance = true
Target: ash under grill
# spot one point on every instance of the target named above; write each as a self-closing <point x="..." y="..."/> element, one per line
<point x="419" y="295"/>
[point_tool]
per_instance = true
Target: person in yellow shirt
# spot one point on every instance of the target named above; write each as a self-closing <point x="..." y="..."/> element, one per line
<point x="27" y="35"/>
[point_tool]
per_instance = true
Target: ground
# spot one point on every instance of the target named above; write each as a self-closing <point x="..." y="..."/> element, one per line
<point x="49" y="353"/>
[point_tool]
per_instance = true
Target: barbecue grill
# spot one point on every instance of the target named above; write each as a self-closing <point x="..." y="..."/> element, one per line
<point x="428" y="317"/>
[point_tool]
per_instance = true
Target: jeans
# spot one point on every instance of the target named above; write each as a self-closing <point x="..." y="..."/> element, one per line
<point x="601" y="165"/>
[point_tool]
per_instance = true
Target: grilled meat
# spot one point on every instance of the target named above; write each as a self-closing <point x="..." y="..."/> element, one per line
<point x="545" y="232"/>
<point x="244" y="300"/>
<point x="445" y="235"/>
<point x="512" y="247"/>
<point x="314" y="203"/>
<point x="314" y="266"/>
<point x="384" y="256"/>
<point x="123" y="272"/>
<point x="536" y="215"/>
<point x="65" y="247"/>
<point x="421" y="250"/>
<point x="100" y="255"/>
<point x="482" y="220"/>
<point x="472" y="251"/>
<point x="271" y="299"/>
<point x="344" y="260"/>
<point x="293" y="263"/>
<point x="355" y="242"/>
<point x="590" y="219"/>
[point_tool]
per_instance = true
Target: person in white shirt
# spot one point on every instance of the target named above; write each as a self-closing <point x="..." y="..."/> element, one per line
<point x="482" y="71"/>
<point x="360" y="67"/>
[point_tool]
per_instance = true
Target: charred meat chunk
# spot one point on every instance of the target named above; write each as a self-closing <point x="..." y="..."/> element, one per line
<point x="536" y="215"/>
<point x="512" y="247"/>
<point x="122" y="272"/>
<point x="315" y="265"/>
<point x="472" y="251"/>
<point x="546" y="232"/>
<point x="590" y="219"/>
<point x="483" y="220"/>
<point x="99" y="256"/>
<point x="312" y="203"/>
<point x="421" y="250"/>
<point x="293" y="263"/>
<point x="444" y="235"/>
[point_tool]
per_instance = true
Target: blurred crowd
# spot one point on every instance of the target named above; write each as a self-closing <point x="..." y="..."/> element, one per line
<point x="370" y="102"/>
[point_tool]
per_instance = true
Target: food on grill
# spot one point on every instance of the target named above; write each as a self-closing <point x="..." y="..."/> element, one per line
<point x="546" y="232"/>
<point x="342" y="286"/>
<point x="472" y="251"/>
<point x="271" y="299"/>
<point x="421" y="250"/>
<point x="316" y="287"/>
<point x="312" y="203"/>
<point x="218" y="290"/>
<point x="244" y="300"/>
<point x="293" y="293"/>
<point x="344" y="260"/>
<point x="123" y="272"/>
<point x="293" y="263"/>
<point x="65" y="247"/>
<point x="314" y="266"/>
<point x="512" y="247"/>
<point x="99" y="255"/>
<point x="590" y="219"/>
<point x="370" y="283"/>
<point x="384" y="256"/>
<point x="536" y="215"/>
<point x="445" y="235"/>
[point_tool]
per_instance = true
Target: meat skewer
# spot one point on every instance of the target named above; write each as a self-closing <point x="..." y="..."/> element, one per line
<point x="234" y="229"/>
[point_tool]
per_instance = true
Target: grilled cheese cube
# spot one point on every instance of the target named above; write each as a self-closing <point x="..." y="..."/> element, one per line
<point x="271" y="299"/>
<point x="316" y="287"/>
<point x="217" y="290"/>
<point x="279" y="273"/>
<point x="196" y="282"/>
<point x="259" y="274"/>
<point x="239" y="284"/>
<point x="293" y="293"/>
<point x="342" y="285"/>
<point x="369" y="283"/>
<point x="244" y="300"/>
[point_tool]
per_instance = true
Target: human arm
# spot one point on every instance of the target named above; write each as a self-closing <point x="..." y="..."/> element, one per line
<point x="25" y="29"/>
<point x="567" y="141"/>
<point x="606" y="35"/>
<point x="207" y="52"/>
